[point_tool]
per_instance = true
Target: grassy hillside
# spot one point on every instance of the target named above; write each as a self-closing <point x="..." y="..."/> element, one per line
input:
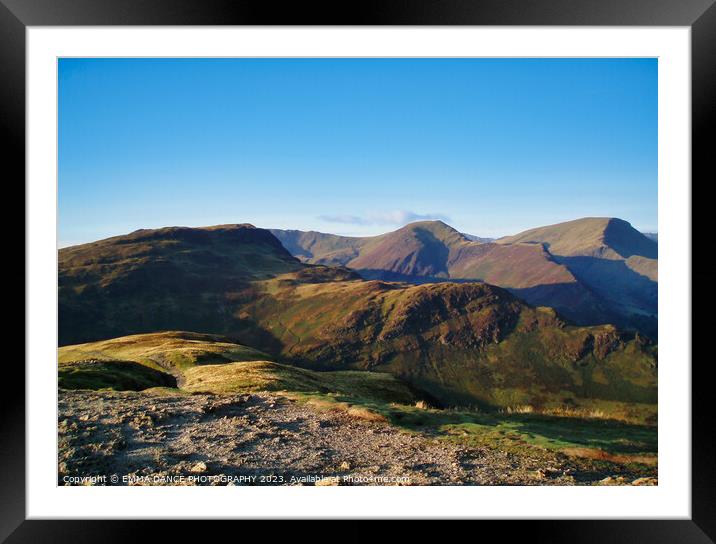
<point x="172" y="351"/>
<point x="463" y="343"/>
<point x="418" y="249"/>
<point x="589" y="436"/>
<point x="267" y="376"/>
<point x="110" y="374"/>
<point x="320" y="248"/>
<point x="203" y="363"/>
<point x="166" y="279"/>
<point x="604" y="237"/>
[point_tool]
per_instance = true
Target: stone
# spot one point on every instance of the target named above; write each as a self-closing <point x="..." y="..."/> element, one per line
<point x="332" y="480"/>
<point x="645" y="481"/>
<point x="199" y="467"/>
<point x="612" y="480"/>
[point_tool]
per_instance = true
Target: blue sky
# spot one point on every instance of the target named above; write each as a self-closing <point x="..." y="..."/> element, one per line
<point x="354" y="146"/>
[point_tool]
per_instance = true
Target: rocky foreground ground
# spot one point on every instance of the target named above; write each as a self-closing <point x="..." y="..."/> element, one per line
<point x="129" y="438"/>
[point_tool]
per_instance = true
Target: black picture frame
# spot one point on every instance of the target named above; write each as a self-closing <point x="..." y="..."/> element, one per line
<point x="699" y="15"/>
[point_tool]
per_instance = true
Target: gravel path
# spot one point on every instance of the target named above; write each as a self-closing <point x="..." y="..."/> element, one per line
<point x="262" y="439"/>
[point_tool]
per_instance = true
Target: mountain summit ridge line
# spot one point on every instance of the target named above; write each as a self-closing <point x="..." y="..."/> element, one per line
<point x="460" y="342"/>
<point x="593" y="270"/>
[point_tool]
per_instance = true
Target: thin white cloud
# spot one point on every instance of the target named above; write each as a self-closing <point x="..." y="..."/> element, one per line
<point x="346" y="219"/>
<point x="395" y="217"/>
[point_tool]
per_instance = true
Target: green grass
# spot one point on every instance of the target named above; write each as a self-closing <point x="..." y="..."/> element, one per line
<point x="599" y="430"/>
<point x="210" y="364"/>
<point x="245" y="377"/>
<point x="463" y="343"/>
<point x="165" y="392"/>
<point x="596" y="440"/>
<point x="557" y="433"/>
<point x="116" y="375"/>
<point x="174" y="350"/>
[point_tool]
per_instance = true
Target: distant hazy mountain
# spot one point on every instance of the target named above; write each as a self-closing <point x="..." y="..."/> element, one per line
<point x="652" y="235"/>
<point x="592" y="270"/>
<point x="474" y="238"/>
<point x="470" y="343"/>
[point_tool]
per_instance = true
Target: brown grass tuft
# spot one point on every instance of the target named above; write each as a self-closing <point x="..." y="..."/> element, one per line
<point x="601" y="455"/>
<point x="522" y="409"/>
<point x="351" y="410"/>
<point x="563" y="411"/>
<point x="358" y="412"/>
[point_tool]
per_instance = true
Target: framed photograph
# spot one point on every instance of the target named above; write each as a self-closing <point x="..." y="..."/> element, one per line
<point x="435" y="259"/>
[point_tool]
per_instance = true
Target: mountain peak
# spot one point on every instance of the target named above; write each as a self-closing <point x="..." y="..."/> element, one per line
<point x="437" y="228"/>
<point x="427" y="224"/>
<point x="589" y="236"/>
<point x="242" y="249"/>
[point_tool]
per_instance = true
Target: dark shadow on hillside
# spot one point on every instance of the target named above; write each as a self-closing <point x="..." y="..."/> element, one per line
<point x="587" y="310"/>
<point x="570" y="299"/>
<point x="627" y="241"/>
<point x="433" y="251"/>
<point x="117" y="375"/>
<point x="606" y="434"/>
<point x="386" y="275"/>
<point x="616" y="282"/>
<point x="580" y="304"/>
<point x="103" y="319"/>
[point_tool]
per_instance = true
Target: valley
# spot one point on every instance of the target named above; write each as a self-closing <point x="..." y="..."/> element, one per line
<point x="356" y="271"/>
<point x="463" y="343"/>
<point x="391" y="341"/>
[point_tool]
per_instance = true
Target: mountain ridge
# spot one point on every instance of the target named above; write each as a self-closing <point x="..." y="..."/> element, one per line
<point x="605" y="237"/>
<point x="571" y="266"/>
<point x="460" y="342"/>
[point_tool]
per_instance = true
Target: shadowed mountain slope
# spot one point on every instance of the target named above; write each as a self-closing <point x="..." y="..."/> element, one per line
<point x="602" y="237"/>
<point x="593" y="271"/>
<point x="460" y="342"/>
<point x="429" y="251"/>
<point x="320" y="248"/>
<point x="611" y="258"/>
<point x="165" y="279"/>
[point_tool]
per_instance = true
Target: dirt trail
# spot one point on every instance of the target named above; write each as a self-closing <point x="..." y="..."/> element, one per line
<point x="262" y="439"/>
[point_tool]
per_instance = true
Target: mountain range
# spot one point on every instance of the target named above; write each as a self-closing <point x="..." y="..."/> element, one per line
<point x="333" y="307"/>
<point x="591" y="270"/>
